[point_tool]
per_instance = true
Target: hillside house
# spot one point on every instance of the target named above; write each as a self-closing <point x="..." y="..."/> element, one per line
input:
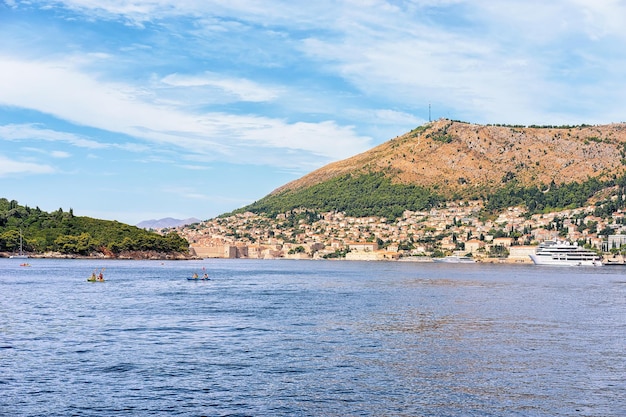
<point x="505" y="242"/>
<point x="363" y="246"/>
<point x="474" y="245"/>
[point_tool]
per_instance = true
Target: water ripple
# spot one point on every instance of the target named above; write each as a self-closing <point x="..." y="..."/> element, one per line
<point x="310" y="339"/>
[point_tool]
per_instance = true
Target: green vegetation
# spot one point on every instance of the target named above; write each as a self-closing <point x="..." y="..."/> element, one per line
<point x="298" y="249"/>
<point x="441" y="135"/>
<point x="420" y="129"/>
<point x="553" y="198"/>
<point x="364" y="195"/>
<point x="445" y="138"/>
<point x="541" y="126"/>
<point x="338" y="254"/>
<point x="61" y="231"/>
<point x="368" y="193"/>
<point x="374" y="194"/>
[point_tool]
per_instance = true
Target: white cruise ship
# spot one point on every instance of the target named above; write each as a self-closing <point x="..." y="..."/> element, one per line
<point x="560" y="253"/>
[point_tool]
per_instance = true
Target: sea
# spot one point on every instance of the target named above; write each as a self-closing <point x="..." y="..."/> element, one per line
<point x="310" y="338"/>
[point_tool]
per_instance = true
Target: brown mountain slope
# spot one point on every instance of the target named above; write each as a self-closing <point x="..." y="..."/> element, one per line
<point x="457" y="157"/>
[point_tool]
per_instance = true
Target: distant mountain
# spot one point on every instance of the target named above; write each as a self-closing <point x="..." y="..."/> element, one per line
<point x="554" y="166"/>
<point x="166" y="223"/>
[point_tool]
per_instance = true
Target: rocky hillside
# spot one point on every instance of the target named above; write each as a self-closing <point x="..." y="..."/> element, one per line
<point x="457" y="158"/>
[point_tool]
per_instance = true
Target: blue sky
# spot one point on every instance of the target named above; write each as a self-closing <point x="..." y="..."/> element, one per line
<point x="135" y="110"/>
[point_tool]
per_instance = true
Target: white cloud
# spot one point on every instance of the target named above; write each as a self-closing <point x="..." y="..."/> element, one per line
<point x="67" y="93"/>
<point x="51" y="153"/>
<point x="486" y="60"/>
<point x="502" y="62"/>
<point x="11" y="167"/>
<point x="142" y="11"/>
<point x="543" y="22"/>
<point x="60" y="154"/>
<point x="533" y="19"/>
<point x="15" y="132"/>
<point x="394" y="117"/>
<point x="241" y="89"/>
<point x="603" y="17"/>
<point x="195" y="167"/>
<point x="411" y="68"/>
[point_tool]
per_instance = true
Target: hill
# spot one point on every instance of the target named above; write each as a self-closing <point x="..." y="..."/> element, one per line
<point x="458" y="157"/>
<point x="62" y="233"/>
<point x="540" y="166"/>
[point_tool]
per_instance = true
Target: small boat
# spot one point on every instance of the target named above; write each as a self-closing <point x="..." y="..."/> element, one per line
<point x="196" y="277"/>
<point x="455" y="260"/>
<point x="21" y="254"/>
<point x="25" y="264"/>
<point x="96" y="277"/>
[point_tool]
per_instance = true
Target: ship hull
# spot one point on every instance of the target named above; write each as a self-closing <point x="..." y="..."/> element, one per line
<point x="542" y="260"/>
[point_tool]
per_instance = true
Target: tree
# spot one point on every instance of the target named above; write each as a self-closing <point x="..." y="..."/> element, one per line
<point x="297" y="249"/>
<point x="64" y="232"/>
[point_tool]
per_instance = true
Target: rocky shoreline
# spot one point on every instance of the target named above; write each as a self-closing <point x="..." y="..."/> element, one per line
<point x="126" y="255"/>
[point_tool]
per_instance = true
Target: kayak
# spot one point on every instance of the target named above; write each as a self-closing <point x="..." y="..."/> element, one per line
<point x="95" y="277"/>
<point x="198" y="279"/>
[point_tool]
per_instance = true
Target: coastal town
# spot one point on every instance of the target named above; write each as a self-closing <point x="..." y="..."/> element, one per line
<point x="458" y="228"/>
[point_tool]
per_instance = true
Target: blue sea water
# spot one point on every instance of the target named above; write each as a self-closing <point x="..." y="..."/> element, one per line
<point x="311" y="338"/>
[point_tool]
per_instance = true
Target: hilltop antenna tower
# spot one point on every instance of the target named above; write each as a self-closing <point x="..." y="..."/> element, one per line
<point x="429" y="119"/>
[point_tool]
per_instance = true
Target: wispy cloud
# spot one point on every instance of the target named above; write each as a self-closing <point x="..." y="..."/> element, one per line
<point x="185" y="192"/>
<point x="12" y="167"/>
<point x="240" y="89"/>
<point x="77" y="97"/>
<point x="60" y="154"/>
<point x="20" y="132"/>
<point x="46" y="152"/>
<point x="482" y="59"/>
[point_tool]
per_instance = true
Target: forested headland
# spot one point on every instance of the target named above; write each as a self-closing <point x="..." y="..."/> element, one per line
<point x="61" y="233"/>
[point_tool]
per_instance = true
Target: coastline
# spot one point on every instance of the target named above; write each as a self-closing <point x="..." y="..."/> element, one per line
<point x="158" y="256"/>
<point x="129" y="255"/>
